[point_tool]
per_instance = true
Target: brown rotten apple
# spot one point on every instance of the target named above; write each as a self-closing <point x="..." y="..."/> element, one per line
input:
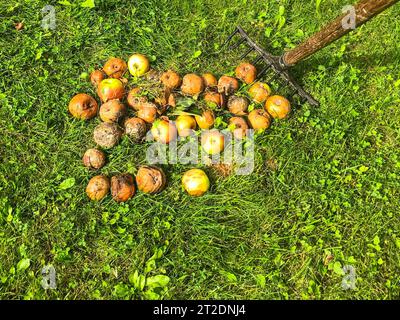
<point x="122" y="187"/>
<point x="192" y="84"/>
<point x="171" y="79"/>
<point x="278" y="107"/>
<point x="214" y="98"/>
<point x="150" y="179"/>
<point x="83" y="106"/>
<point x="246" y="72"/>
<point x="110" y="89"/>
<point x="185" y="125"/>
<point x="135" y="98"/>
<point x="259" y="92"/>
<point x="238" y="105"/>
<point x="153" y="75"/>
<point x="239" y="127"/>
<point x="259" y="119"/>
<point x="228" y="85"/>
<point x="107" y="134"/>
<point x="148" y="112"/>
<point x="195" y="182"/>
<point x="164" y="131"/>
<point x="94" y="159"/>
<point x="112" y="111"/>
<point x="96" y="77"/>
<point x="209" y="80"/>
<point x="136" y="129"/>
<point x="115" y="68"/>
<point x="98" y="187"/>
<point x="206" y="120"/>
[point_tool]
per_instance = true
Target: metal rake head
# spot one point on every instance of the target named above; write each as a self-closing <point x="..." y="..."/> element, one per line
<point x="266" y="62"/>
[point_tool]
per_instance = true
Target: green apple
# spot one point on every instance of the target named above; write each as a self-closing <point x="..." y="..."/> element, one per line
<point x="138" y="64"/>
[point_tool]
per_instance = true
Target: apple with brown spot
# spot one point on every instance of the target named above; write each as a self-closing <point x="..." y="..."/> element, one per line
<point x="246" y="72"/>
<point x="228" y="85"/>
<point x="259" y="119"/>
<point x="259" y="92"/>
<point x="239" y="127"/>
<point x="115" y="68"/>
<point x="83" y="106"/>
<point x="278" y="107"/>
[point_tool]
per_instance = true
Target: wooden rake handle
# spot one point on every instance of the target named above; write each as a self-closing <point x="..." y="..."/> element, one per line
<point x="364" y="11"/>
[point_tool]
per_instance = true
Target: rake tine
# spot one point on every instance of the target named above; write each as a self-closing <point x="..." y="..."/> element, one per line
<point x="274" y="76"/>
<point x="237" y="44"/>
<point x="263" y="71"/>
<point x="230" y="37"/>
<point x="257" y="60"/>
<point x="246" y="53"/>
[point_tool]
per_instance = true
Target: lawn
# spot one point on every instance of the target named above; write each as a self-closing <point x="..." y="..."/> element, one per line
<point x="324" y="192"/>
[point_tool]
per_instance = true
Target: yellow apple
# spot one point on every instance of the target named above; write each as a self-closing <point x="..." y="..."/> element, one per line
<point x="138" y="64"/>
<point x="213" y="142"/>
<point x="185" y="124"/>
<point x="195" y="182"/>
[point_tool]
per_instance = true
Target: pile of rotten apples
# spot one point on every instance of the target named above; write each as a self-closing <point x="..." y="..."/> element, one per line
<point x="156" y="96"/>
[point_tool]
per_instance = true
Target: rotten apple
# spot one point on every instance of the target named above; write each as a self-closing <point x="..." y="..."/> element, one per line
<point x="259" y="92"/>
<point x="83" y="106"/>
<point x="122" y="187"/>
<point x="150" y="179"/>
<point x="94" y="159"/>
<point x="278" y="107"/>
<point x="228" y="85"/>
<point x="96" y="77"/>
<point x="171" y="79"/>
<point x="136" y="98"/>
<point x="107" y="134"/>
<point x="135" y="128"/>
<point x="259" y="119"/>
<point x="239" y="127"/>
<point x="210" y="80"/>
<point x="148" y="112"/>
<point x="214" y="98"/>
<point x="246" y="72"/>
<point x="238" y="105"/>
<point x="115" y="68"/>
<point x="192" y="84"/>
<point x="98" y="187"/>
<point x="112" y="111"/>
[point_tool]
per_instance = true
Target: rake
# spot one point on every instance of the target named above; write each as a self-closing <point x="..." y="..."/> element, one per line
<point x="280" y="65"/>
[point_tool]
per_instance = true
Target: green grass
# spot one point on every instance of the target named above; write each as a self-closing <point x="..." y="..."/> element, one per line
<point x="325" y="184"/>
